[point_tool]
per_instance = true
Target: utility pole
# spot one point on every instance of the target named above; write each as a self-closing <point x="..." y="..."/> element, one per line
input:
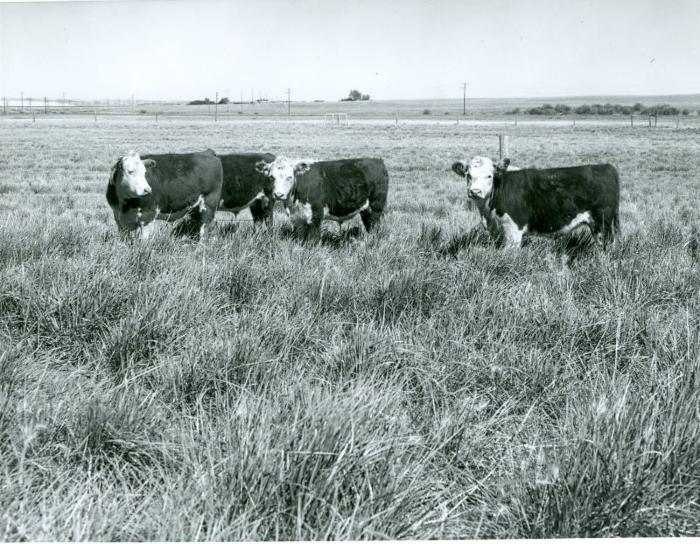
<point x="464" y="98"/>
<point x="289" y="102"/>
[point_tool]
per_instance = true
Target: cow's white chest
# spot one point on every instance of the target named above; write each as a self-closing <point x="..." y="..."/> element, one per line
<point x="300" y="213"/>
<point x="341" y="218"/>
<point x="512" y="233"/>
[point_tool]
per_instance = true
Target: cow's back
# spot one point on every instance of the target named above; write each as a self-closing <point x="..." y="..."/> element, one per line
<point x="242" y="179"/>
<point x="176" y="177"/>
<point x="346" y="184"/>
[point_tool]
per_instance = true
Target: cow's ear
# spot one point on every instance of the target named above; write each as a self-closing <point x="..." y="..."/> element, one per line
<point x="502" y="165"/>
<point x="458" y="168"/>
<point x="149" y="163"/>
<point x="116" y="172"/>
<point x="301" y="167"/>
<point x="262" y="167"/>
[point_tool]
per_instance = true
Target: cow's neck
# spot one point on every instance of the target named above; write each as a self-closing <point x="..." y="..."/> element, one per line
<point x="484" y="207"/>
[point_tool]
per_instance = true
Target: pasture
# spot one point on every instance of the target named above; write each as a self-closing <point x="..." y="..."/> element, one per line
<point x="398" y="384"/>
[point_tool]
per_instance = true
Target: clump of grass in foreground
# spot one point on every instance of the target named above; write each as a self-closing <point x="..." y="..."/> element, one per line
<point x="632" y="468"/>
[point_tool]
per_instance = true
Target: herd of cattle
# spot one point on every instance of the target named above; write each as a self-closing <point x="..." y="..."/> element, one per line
<point x="580" y="203"/>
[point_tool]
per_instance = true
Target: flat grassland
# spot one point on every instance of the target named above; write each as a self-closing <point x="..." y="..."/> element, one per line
<point x="401" y="384"/>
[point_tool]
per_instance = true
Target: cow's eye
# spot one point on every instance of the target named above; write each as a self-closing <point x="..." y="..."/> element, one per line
<point x="489" y="177"/>
<point x="469" y="177"/>
<point x="130" y="172"/>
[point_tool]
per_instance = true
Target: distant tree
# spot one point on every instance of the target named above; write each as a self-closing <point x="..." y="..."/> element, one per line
<point x="685" y="111"/>
<point x="354" y="94"/>
<point x="426" y="111"/>
<point x="364" y="97"/>
<point x="199" y="102"/>
<point x="583" y="109"/>
<point x="638" y="107"/>
<point x="224" y="100"/>
<point x="562" y="108"/>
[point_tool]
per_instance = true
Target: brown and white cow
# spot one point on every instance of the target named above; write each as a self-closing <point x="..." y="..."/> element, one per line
<point x="576" y="201"/>
<point x="335" y="190"/>
<point x="165" y="186"/>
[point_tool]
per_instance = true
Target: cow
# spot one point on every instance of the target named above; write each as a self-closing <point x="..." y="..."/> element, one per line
<point x="247" y="184"/>
<point x="335" y="190"/>
<point x="166" y="186"/>
<point x="577" y="201"/>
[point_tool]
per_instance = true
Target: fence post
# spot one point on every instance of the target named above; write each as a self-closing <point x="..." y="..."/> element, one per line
<point x="156" y="117"/>
<point x="95" y="114"/>
<point x="396" y="118"/>
<point x="33" y="117"/>
<point x="45" y="110"/>
<point x="516" y="119"/>
<point x="632" y="121"/>
<point x="656" y="119"/>
<point x="650" y="120"/>
<point x="678" y="120"/>
<point x="574" y="120"/>
<point x="502" y="146"/>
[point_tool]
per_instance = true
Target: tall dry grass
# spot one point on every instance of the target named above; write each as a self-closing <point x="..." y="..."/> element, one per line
<point x="409" y="383"/>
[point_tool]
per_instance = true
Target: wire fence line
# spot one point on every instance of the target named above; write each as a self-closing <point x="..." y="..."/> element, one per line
<point x="274" y="111"/>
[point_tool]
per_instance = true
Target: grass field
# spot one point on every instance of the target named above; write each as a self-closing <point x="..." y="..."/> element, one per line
<point x="390" y="385"/>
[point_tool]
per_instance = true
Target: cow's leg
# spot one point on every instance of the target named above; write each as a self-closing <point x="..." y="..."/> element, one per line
<point x="611" y="228"/>
<point x="145" y="231"/>
<point x="262" y="210"/>
<point x="577" y="241"/>
<point x="206" y="209"/>
<point x="370" y="218"/>
<point x="313" y="223"/>
<point x="512" y="233"/>
<point x="257" y="210"/>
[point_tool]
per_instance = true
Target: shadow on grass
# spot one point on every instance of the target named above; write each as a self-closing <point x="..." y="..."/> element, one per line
<point x="432" y="238"/>
<point x="335" y="240"/>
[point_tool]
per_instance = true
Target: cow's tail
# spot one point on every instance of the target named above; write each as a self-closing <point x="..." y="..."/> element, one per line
<point x="612" y="229"/>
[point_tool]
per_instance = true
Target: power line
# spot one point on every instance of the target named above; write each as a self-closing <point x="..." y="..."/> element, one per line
<point x="464" y="98"/>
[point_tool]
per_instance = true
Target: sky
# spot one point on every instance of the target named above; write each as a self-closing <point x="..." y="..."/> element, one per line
<point x="320" y="49"/>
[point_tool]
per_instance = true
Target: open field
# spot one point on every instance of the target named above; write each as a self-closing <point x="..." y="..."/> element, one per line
<point x="447" y="110"/>
<point x="391" y="385"/>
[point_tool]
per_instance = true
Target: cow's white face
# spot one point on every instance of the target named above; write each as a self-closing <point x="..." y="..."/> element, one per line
<point x="129" y="175"/>
<point x="282" y="171"/>
<point x="480" y="172"/>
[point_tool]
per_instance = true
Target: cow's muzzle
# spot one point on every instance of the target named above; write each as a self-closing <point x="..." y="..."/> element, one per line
<point x="475" y="193"/>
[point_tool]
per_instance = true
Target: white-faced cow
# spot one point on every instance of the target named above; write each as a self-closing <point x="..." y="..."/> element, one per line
<point x="576" y="201"/>
<point x="336" y="190"/>
<point x="168" y="186"/>
<point x="247" y="184"/>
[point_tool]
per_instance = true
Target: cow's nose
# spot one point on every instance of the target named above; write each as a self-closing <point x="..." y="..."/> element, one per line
<point x="147" y="191"/>
<point x="279" y="195"/>
<point x="475" y="193"/>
